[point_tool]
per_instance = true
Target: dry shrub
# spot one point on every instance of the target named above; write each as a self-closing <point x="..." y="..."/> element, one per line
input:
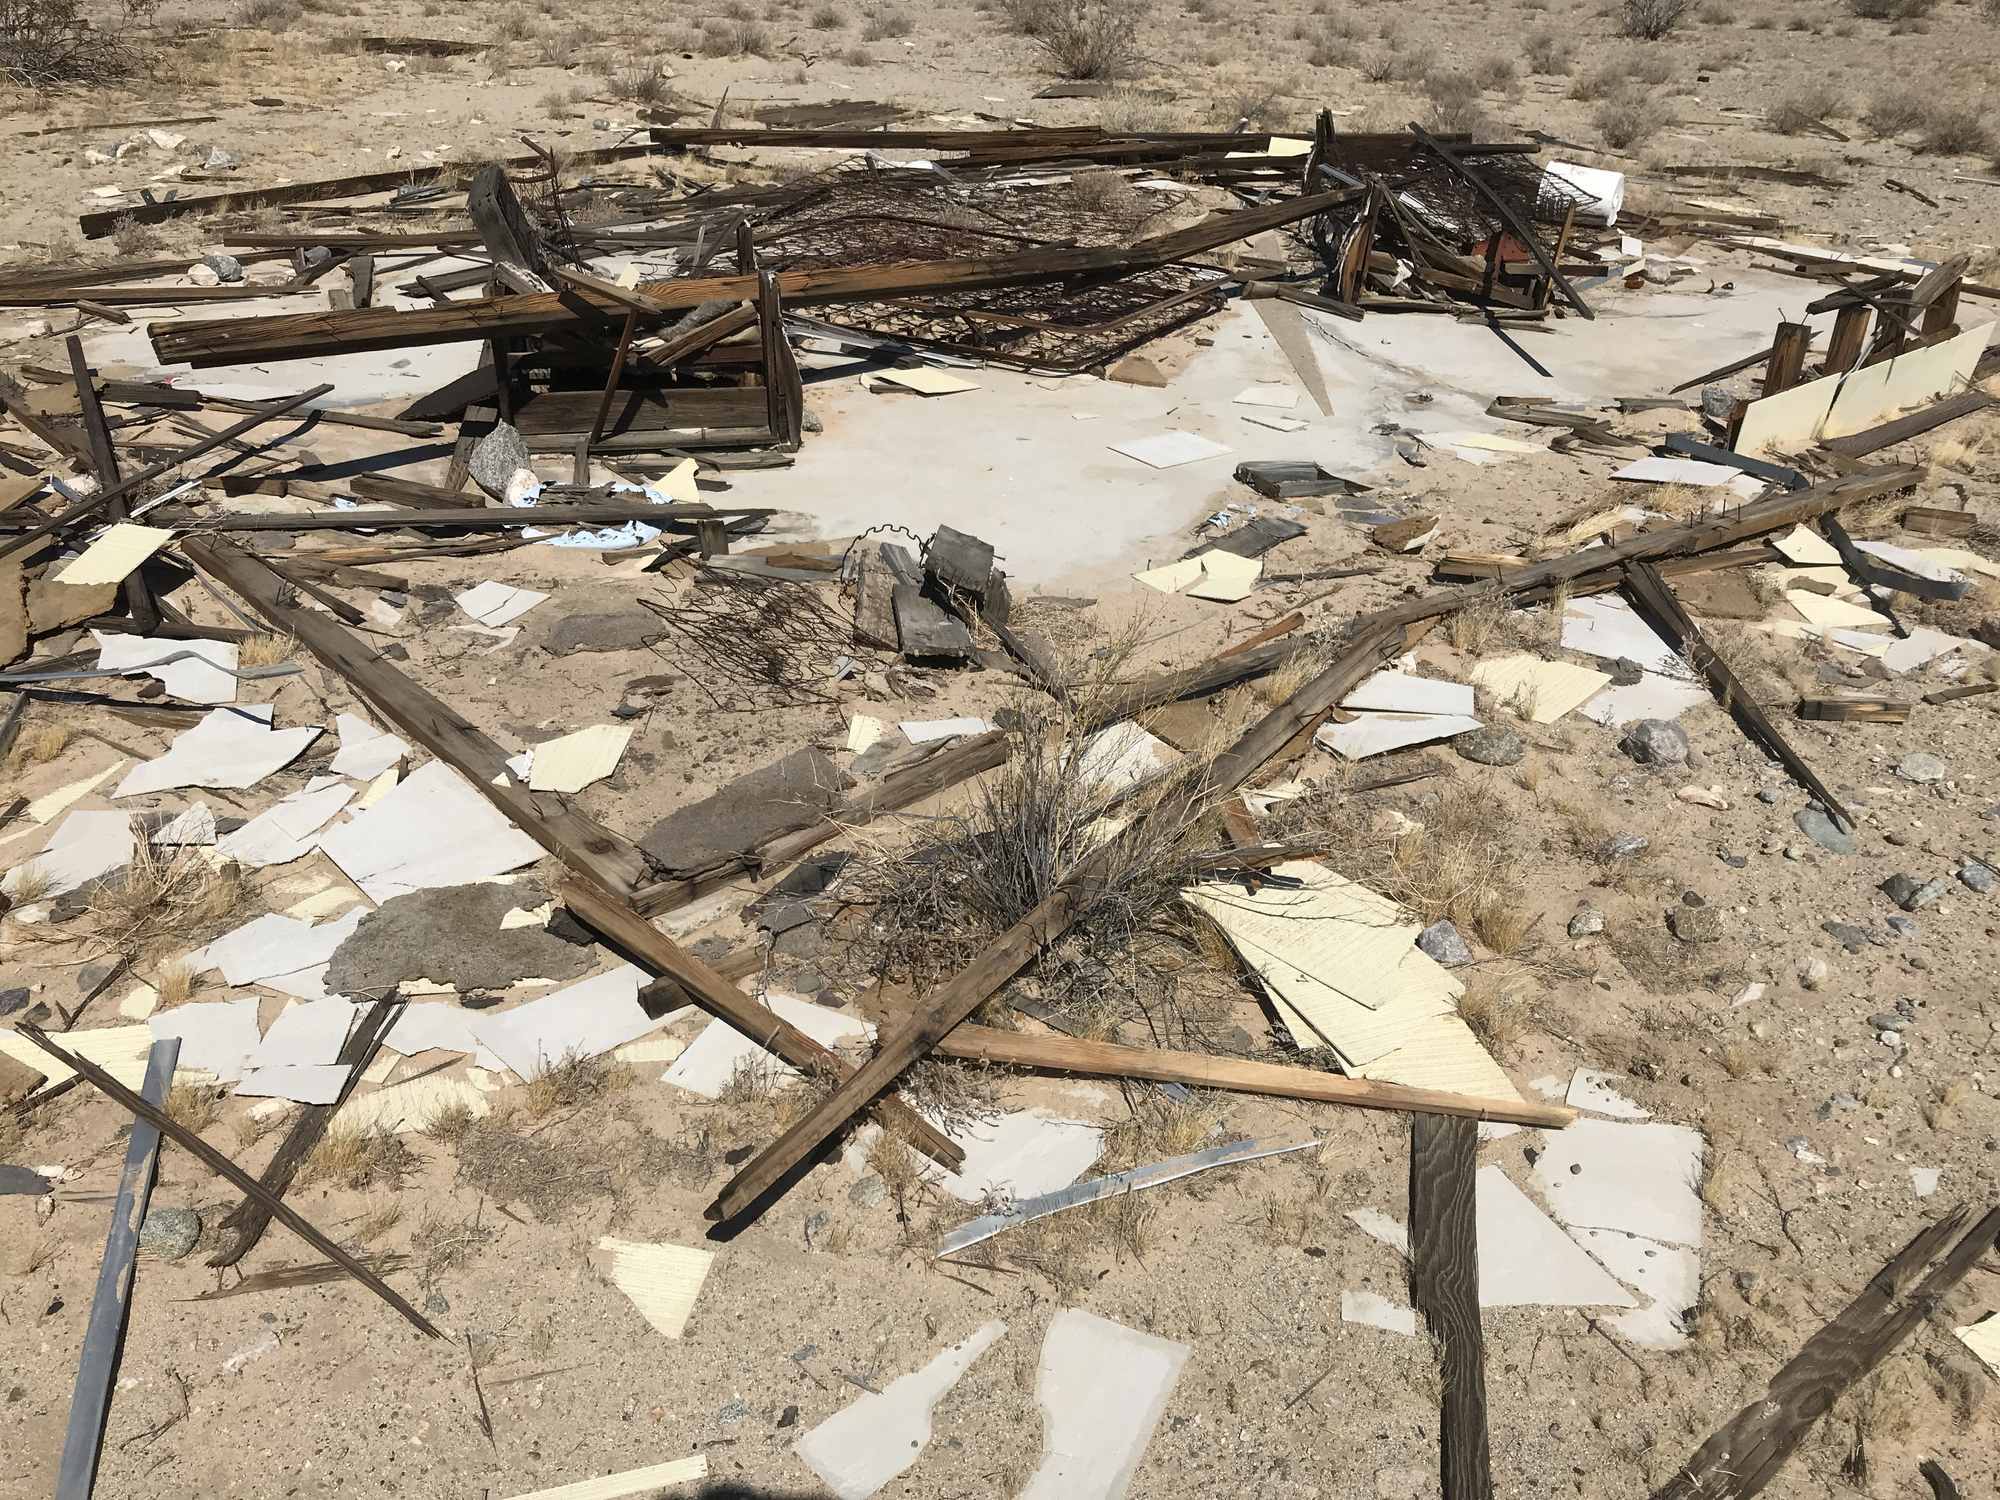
<point x="1087" y="39"/>
<point x="1804" y="107"/>
<point x="162" y="895"/>
<point x="642" y="86"/>
<point x="1896" y="111"/>
<point x="269" y="15"/>
<point x="1493" y="1012"/>
<point x="48" y="43"/>
<point x="1454" y="100"/>
<point x="1379" y="65"/>
<point x="1650" y="20"/>
<point x="1160" y="1127"/>
<point x="358" y="1159"/>
<point x="828" y="18"/>
<point x="193" y="1107"/>
<point x="1630" y="116"/>
<point x="175" y="985"/>
<point x="1454" y="863"/>
<point x="1547" y="51"/>
<point x="1497" y="73"/>
<point x="1955" y="127"/>
<point x="38" y="745"/>
<point x="1111" y="194"/>
<point x="1054" y="1249"/>
<point x="886" y="25"/>
<point x="573" y="1082"/>
<point x="1892" y="10"/>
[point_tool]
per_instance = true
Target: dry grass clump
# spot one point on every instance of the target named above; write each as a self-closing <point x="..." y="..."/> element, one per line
<point x="886" y="25"/>
<point x="1493" y="1012"/>
<point x="1897" y="110"/>
<point x="1802" y="108"/>
<point x="445" y="1245"/>
<point x="358" y="1159"/>
<point x="828" y="18"/>
<point x="39" y="744"/>
<point x="269" y="15"/>
<point x="1454" y="864"/>
<point x="1891" y="10"/>
<point x="49" y="44"/>
<point x="1650" y="20"/>
<point x="1160" y="1127"/>
<point x="640" y="85"/>
<point x="574" y="1082"/>
<point x="1955" y="127"/>
<point x="175" y="984"/>
<point x="1547" y="51"/>
<point x="1454" y="100"/>
<point x="1111" y="194"/>
<point x="194" y="1107"/>
<point x="160" y="896"/>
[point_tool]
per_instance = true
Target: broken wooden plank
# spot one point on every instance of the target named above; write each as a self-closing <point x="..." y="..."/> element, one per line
<point x="138" y="593"/>
<point x="1444" y="1285"/>
<point x="1912" y="424"/>
<point x="926" y="630"/>
<point x="1930" y="520"/>
<point x="1003" y="958"/>
<point x="503" y="225"/>
<point x="223" y="1167"/>
<point x="1061" y="1054"/>
<point x="1855" y="710"/>
<point x="577" y="839"/>
<point x="97" y="1366"/>
<point x="247" y="1222"/>
<point x="1656" y="601"/>
<point x="317" y="334"/>
<point x="466" y="518"/>
<point x="1746" y="1452"/>
<point x="622" y="927"/>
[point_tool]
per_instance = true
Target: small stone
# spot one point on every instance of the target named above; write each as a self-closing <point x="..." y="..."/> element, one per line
<point x="815" y="1226"/>
<point x="732" y="1413"/>
<point x="1814" y="823"/>
<point x="1442" y="942"/>
<point x="809" y="981"/>
<point x="1888" y="1020"/>
<point x="1849" y="936"/>
<point x="1813" y="972"/>
<point x="219" y="160"/>
<point x="227" y="268"/>
<point x="1626" y="672"/>
<point x="1656" y="742"/>
<point x="497" y="457"/>
<point x="1910" y="894"/>
<point x="1704" y="796"/>
<point x="811" y="422"/>
<point x="868" y="1192"/>
<point x="1695" y="924"/>
<point x="789" y="1417"/>
<point x="1495" y="745"/>
<point x="436" y="1305"/>
<point x="1734" y="861"/>
<point x="1975" y="876"/>
<point x="1920" y="766"/>
<point x="1136" y="369"/>
<point x="169" y="1233"/>
<point x="1626" y="845"/>
<point x="203" y="274"/>
<point x="1903" y="926"/>
<point x="1844" y="1101"/>
<point x="1586" y="923"/>
<point x="1769" y="796"/>
<point x="1796" y="852"/>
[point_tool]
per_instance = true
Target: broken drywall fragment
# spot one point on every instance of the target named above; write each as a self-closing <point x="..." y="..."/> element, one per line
<point x="631" y="1484"/>
<point x="365" y="751"/>
<point x="1369" y="734"/>
<point x="289" y="828"/>
<point x="1667" y="1278"/>
<point x="204" y="674"/>
<point x="495" y="605"/>
<point x="1653" y="696"/>
<point x="120" y="1050"/>
<point x="1022" y="1154"/>
<point x="869" y="1442"/>
<point x="1543" y="691"/>
<point x="574" y="761"/>
<point x="1169" y="450"/>
<point x="1171" y="578"/>
<point x="1225" y="576"/>
<point x="1526" y="1261"/>
<point x="1102" y="1388"/>
<point x="272" y="945"/>
<point x="113" y="556"/>
<point x="1608" y="627"/>
<point x="1281" y="397"/>
<point x="411" y="1106"/>
<point x="926" y="381"/>
<point x="305" y="1035"/>
<point x="1402" y="693"/>
<point x="715" y="1057"/>
<point x="1983" y="1339"/>
<point x="216" y="1035"/>
<point x="229" y="747"/>
<point x="84" y="846"/>
<point x="1640" y="1178"/>
<point x="925" y="731"/>
<point x="70" y="793"/>
<point x="302" y="1083"/>
<point x="1592" y="1091"/>
<point x="863" y="730"/>
<point x="580" y="1020"/>
<point x="1373" y="1310"/>
<point x="431" y="829"/>
<point x="662" y="1280"/>
<point x="1120" y="757"/>
<point x="194" y="826"/>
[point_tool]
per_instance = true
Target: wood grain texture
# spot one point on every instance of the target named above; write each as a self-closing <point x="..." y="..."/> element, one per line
<point x="1743" y="1455"/>
<point x="1444" y="1284"/>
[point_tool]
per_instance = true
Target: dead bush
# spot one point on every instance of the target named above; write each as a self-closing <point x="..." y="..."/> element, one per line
<point x="269" y="15"/>
<point x="1955" y="127"/>
<point x="1454" y="100"/>
<point x="1894" y="112"/>
<point x="828" y="18"/>
<point x="886" y="25"/>
<point x="1087" y="39"/>
<point x="1547" y="51"/>
<point x="1379" y="65"/>
<point x="1891" y="10"/>
<point x="162" y="895"/>
<point x="1804" y="107"/>
<point x="1649" y="20"/>
<point x="1630" y="116"/>
<point x="48" y="43"/>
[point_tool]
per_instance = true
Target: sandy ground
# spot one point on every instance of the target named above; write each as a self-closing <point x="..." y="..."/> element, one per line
<point x="1813" y="1123"/>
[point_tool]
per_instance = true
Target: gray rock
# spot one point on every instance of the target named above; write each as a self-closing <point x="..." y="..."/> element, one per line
<point x="1656" y="742"/>
<point x="732" y="1413"/>
<point x="1813" y="971"/>
<point x="1494" y="745"/>
<point x="1769" y="796"/>
<point x="1626" y="845"/>
<point x="219" y="160"/>
<point x="809" y="421"/>
<point x="1909" y="893"/>
<point x="1902" y="926"/>
<point x="1888" y="1020"/>
<point x="1849" y="936"/>
<point x="496" y="457"/>
<point x="1920" y="766"/>
<point x="1442" y="942"/>
<point x="1626" y="672"/>
<point x="436" y="1305"/>
<point x="1814" y="823"/>
<point x="226" y="267"/>
<point x="868" y="1192"/>
<point x="1975" y="876"/>
<point x="1796" y="852"/>
<point x="809" y="981"/>
<point x="169" y="1233"/>
<point x="1586" y="923"/>
<point x="13" y="1000"/>
<point x="816" y="1226"/>
<point x="1695" y="924"/>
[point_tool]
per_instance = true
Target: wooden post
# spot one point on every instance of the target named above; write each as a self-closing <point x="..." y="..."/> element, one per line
<point x="746" y="249"/>
<point x="1850" y="337"/>
<point x="1941" y="317"/>
<point x="139" y="601"/>
<point x="1788" y="357"/>
<point x="503" y="225"/>
<point x="617" y="370"/>
<point x="1444" y="1284"/>
<point x="713" y="537"/>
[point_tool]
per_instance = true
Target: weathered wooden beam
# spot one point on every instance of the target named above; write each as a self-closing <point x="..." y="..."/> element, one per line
<point x="316" y="334"/>
<point x="138" y="593"/>
<point x="1787" y="365"/>
<point x="1746" y="1452"/>
<point x="466" y="518"/>
<point x="1014" y="949"/>
<point x="1062" y="1054"/>
<point x="1444" y="1285"/>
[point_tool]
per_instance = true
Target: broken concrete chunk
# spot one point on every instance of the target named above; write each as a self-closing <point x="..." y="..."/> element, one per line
<point x="1442" y="942"/>
<point x="781" y="798"/>
<point x="452" y="935"/>
<point x="496" y="458"/>
<point x="1656" y="742"/>
<point x="1816" y="825"/>
<point x="632" y="630"/>
<point x="228" y="269"/>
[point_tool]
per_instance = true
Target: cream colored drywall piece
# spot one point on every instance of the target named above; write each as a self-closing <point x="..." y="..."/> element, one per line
<point x="926" y="381"/>
<point x="119" y="1050"/>
<point x="49" y="804"/>
<point x="1983" y="1339"/>
<point x="139" y="1002"/>
<point x="1820" y="609"/>
<point x="576" y="760"/>
<point x="410" y="1106"/>
<point x="632" y="1482"/>
<point x="1225" y="577"/>
<point x="1806" y="549"/>
<point x="863" y="730"/>
<point x="678" y="485"/>
<point x="528" y="916"/>
<point x="1171" y="578"/>
<point x="661" y="1280"/>
<point x="1855" y="400"/>
<point x="1546" y="690"/>
<point x="377" y="789"/>
<point x="113" y="556"/>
